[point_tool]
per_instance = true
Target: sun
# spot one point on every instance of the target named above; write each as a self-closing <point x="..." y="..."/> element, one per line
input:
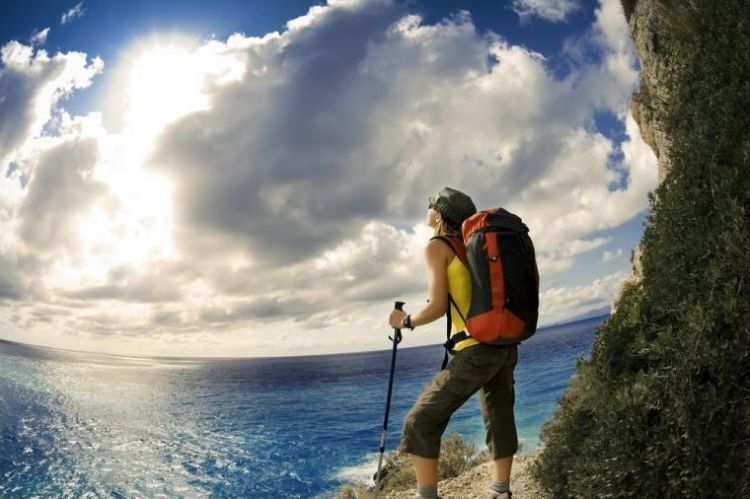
<point x="157" y="81"/>
<point x="164" y="83"/>
<point x="131" y="226"/>
<point x="167" y="77"/>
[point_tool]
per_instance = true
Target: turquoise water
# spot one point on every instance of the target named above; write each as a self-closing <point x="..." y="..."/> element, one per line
<point x="75" y="424"/>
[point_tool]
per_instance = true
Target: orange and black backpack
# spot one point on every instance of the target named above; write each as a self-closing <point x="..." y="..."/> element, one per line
<point x="499" y="254"/>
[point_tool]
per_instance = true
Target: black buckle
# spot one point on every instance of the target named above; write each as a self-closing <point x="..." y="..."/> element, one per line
<point x="454" y="340"/>
<point x="448" y="345"/>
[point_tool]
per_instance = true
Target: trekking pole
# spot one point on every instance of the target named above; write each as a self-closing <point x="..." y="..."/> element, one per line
<point x="396" y="339"/>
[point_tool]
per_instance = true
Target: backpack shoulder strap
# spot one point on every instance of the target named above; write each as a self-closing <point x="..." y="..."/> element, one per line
<point x="448" y="345"/>
<point x="457" y="245"/>
<point x="460" y="250"/>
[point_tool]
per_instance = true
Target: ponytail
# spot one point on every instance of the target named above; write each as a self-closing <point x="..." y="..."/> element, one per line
<point x="445" y="227"/>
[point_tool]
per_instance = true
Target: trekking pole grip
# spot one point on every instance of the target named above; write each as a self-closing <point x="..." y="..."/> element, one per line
<point x="399" y="305"/>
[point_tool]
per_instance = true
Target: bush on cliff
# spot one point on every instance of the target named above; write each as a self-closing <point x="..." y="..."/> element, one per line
<point x="662" y="408"/>
<point x="456" y="457"/>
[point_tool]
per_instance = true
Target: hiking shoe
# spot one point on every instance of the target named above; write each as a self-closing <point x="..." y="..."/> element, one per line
<point x="491" y="494"/>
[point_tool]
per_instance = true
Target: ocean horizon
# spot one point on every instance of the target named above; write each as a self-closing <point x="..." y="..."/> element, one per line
<point x="79" y="423"/>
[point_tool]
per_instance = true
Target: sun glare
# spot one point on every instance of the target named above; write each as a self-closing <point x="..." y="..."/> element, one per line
<point x="158" y="81"/>
<point x="131" y="230"/>
<point x="167" y="77"/>
<point x="164" y="84"/>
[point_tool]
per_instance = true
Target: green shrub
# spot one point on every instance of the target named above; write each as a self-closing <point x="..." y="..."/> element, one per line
<point x="456" y="457"/>
<point x="662" y="408"/>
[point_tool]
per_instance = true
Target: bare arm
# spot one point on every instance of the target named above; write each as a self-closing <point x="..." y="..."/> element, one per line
<point x="438" y="255"/>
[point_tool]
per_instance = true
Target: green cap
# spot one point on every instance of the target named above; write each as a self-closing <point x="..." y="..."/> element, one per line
<point x="453" y="205"/>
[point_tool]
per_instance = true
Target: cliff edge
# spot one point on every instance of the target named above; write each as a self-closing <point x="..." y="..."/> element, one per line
<point x="663" y="400"/>
<point x="473" y="483"/>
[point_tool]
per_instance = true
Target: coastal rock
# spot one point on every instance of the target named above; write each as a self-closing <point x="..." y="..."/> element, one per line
<point x="653" y="30"/>
<point x="650" y="105"/>
<point x="473" y="483"/>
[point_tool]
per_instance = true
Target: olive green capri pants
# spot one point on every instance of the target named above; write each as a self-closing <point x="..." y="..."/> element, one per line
<point x="482" y="367"/>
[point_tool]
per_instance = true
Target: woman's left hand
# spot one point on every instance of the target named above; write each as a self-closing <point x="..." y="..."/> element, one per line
<point x="396" y="317"/>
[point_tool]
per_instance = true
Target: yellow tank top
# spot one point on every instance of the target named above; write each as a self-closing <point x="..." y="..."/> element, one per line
<point x="459" y="286"/>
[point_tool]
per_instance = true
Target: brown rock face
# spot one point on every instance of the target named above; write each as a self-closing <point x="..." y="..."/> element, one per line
<point x="650" y="104"/>
<point x="652" y="33"/>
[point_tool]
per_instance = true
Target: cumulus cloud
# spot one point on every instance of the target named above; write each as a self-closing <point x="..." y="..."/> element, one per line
<point x="548" y="10"/>
<point x="297" y="192"/>
<point x="298" y="127"/>
<point x="61" y="187"/>
<point x="570" y="301"/>
<point x="32" y="83"/>
<point x="371" y="267"/>
<point x="555" y="261"/>
<point x="156" y="284"/>
<point x="73" y="13"/>
<point x="320" y="134"/>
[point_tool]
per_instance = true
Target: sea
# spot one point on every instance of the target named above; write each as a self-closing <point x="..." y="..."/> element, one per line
<point x="76" y="424"/>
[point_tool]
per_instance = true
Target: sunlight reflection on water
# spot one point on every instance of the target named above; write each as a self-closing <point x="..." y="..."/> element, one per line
<point x="74" y="424"/>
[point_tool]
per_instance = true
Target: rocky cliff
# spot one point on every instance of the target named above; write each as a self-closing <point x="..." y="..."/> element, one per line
<point x="649" y="23"/>
<point x="663" y="403"/>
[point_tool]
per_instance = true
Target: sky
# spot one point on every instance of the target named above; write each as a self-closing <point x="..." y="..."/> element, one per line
<point x="250" y="178"/>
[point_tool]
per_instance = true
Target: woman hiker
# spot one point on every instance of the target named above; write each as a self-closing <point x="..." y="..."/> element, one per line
<point x="474" y="366"/>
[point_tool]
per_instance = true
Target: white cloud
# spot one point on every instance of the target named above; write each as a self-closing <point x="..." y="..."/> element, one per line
<point x="494" y="131"/>
<point x="40" y="38"/>
<point x="549" y="10"/>
<point x="612" y="28"/>
<point x="558" y="303"/>
<point x="11" y="286"/>
<point x="609" y="256"/>
<point x="32" y="84"/>
<point x="73" y="13"/>
<point x="273" y="204"/>
<point x="558" y="260"/>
